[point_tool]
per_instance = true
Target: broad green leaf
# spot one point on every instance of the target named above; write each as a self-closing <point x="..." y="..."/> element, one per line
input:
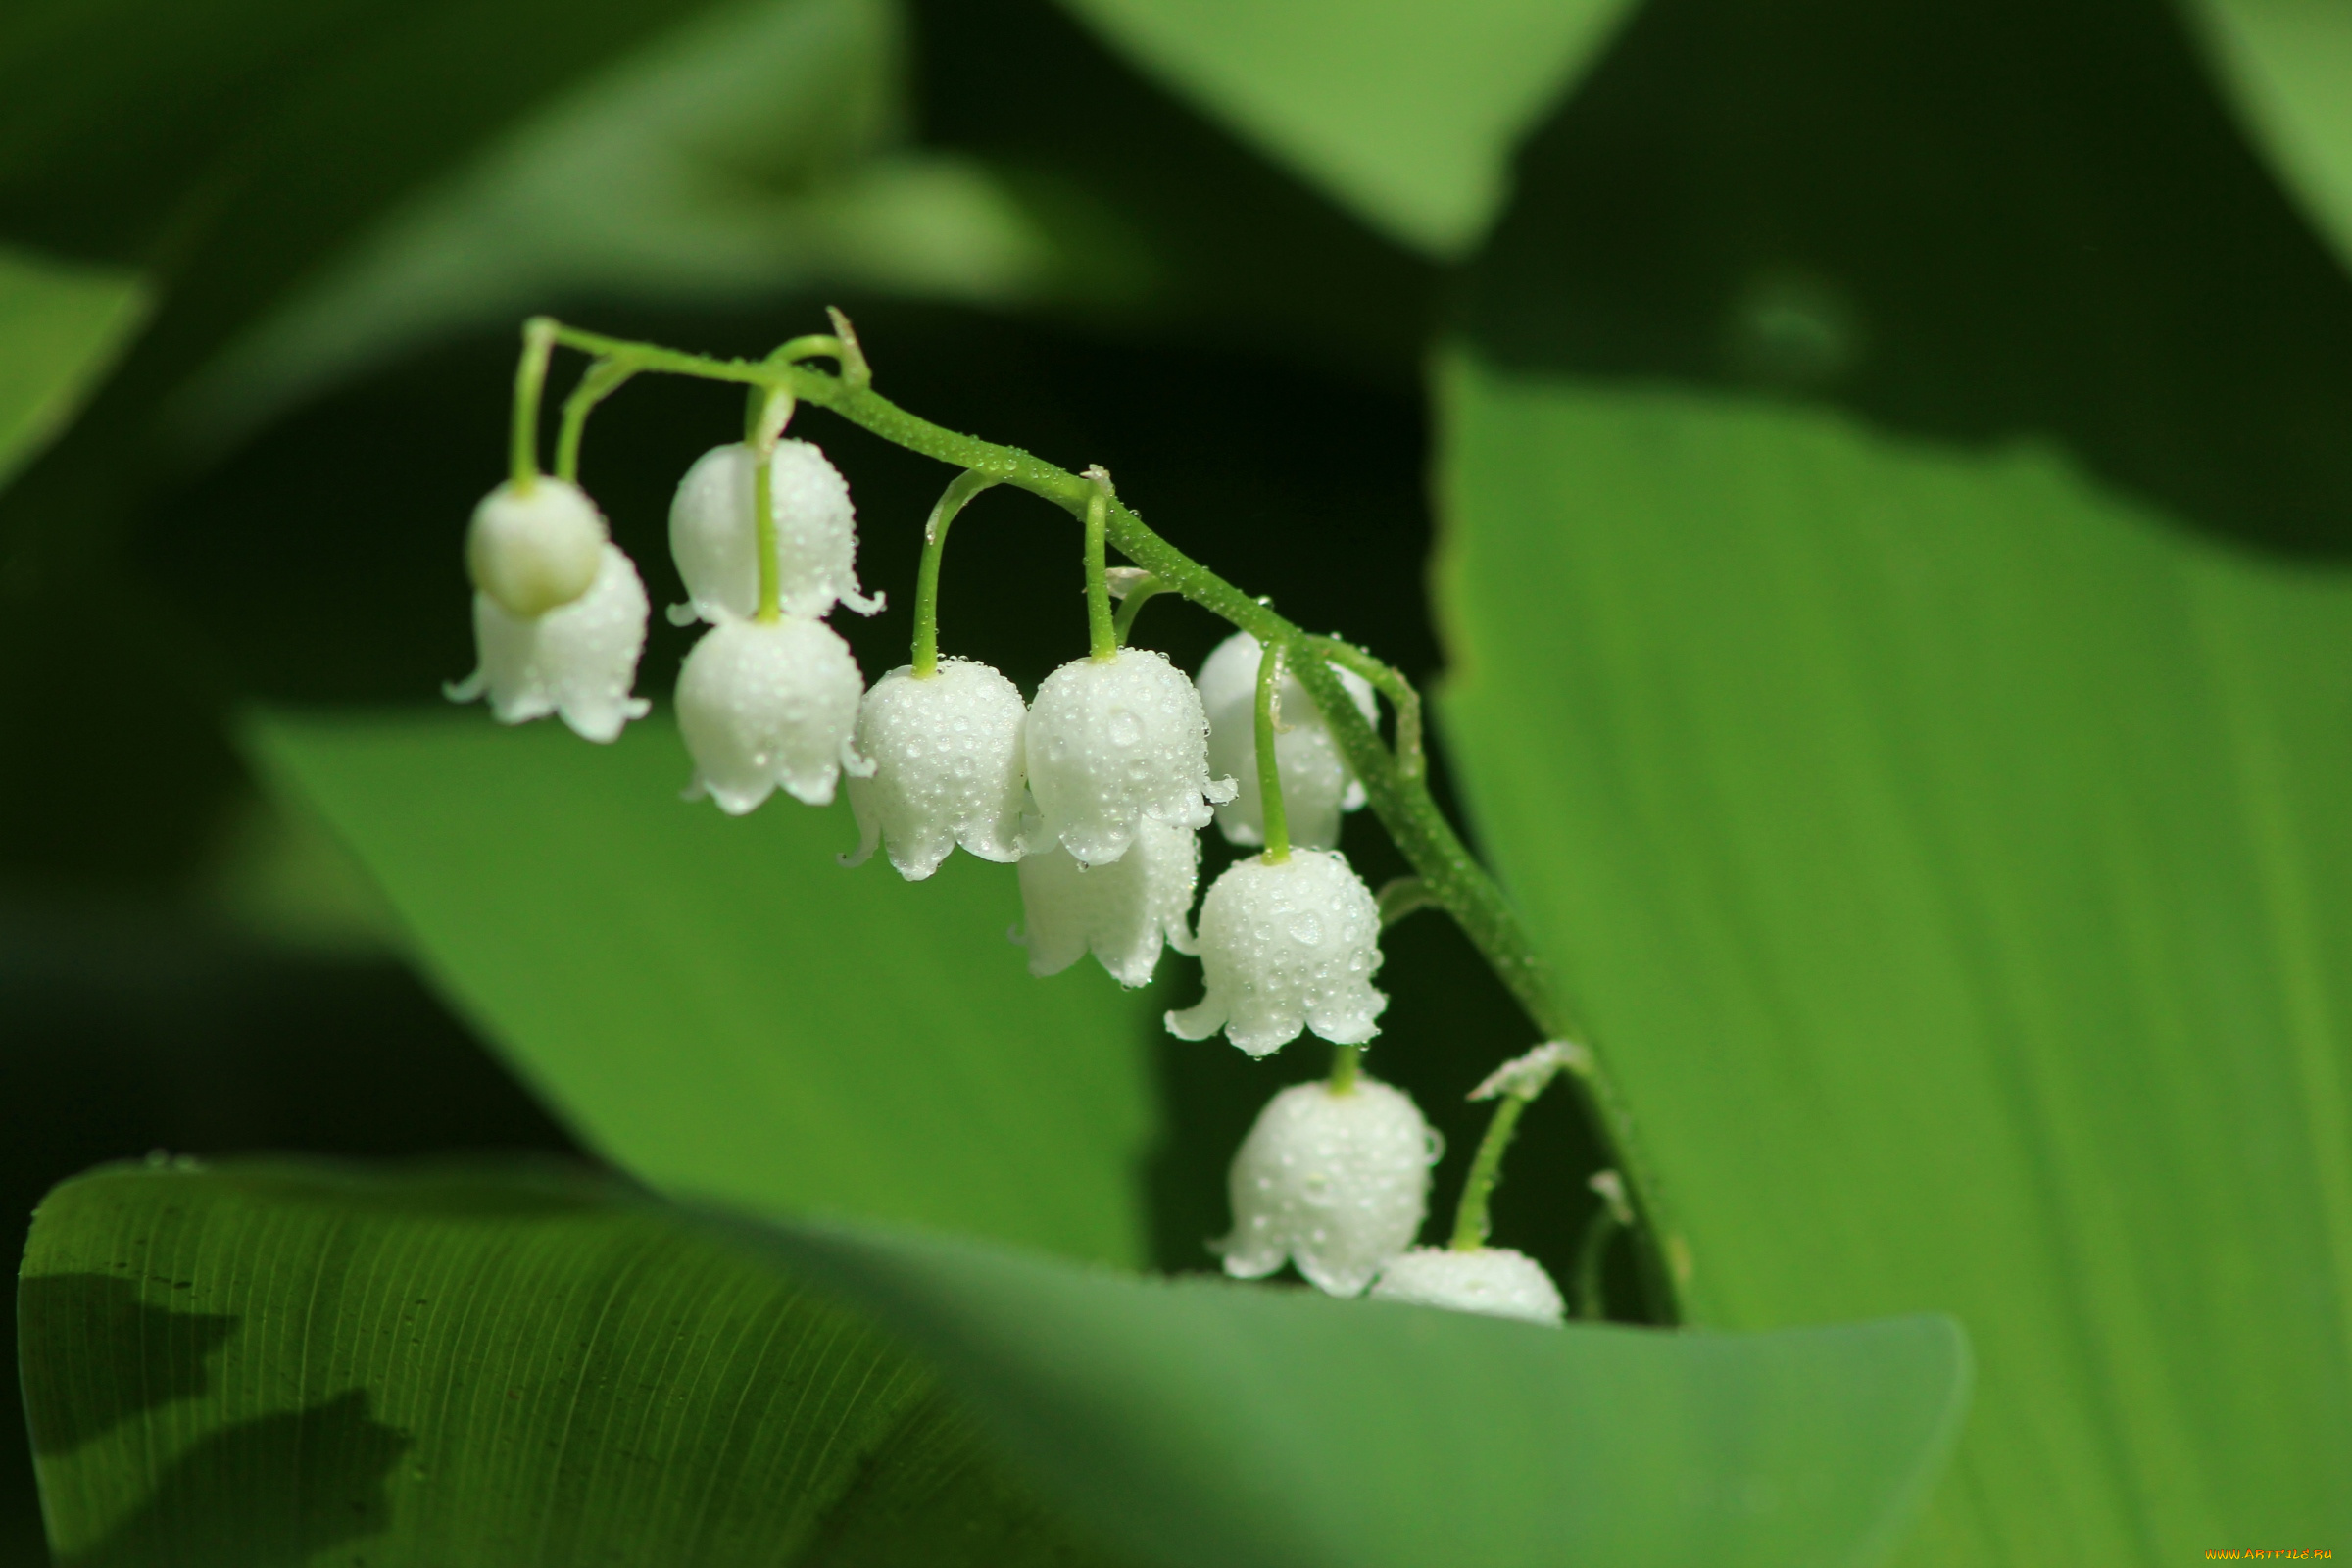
<point x="1954" y="864"/>
<point x="756" y="151"/>
<point x="279" y="1364"/>
<point x="718" y="1005"/>
<point x="1197" y="1421"/>
<point x="60" y="327"/>
<point x="450" y="1367"/>
<point x="1405" y="109"/>
<point x="2287" y="64"/>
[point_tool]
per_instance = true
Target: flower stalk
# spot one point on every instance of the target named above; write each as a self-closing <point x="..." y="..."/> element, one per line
<point x="1394" y="779"/>
<point x="1269" y="770"/>
<point x="958" y="494"/>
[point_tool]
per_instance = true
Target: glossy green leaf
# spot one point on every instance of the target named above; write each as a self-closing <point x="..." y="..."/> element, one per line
<point x="1955" y="865"/>
<point x="279" y="1364"/>
<point x="717" y="1004"/>
<point x="1408" y="111"/>
<point x="1197" y="1421"/>
<point x="756" y="151"/>
<point x="2288" y="65"/>
<point x="60" y="327"/>
<point x="450" y="1367"/>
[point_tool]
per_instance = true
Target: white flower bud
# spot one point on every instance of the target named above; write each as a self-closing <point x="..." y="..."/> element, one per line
<point x="1284" y="948"/>
<point x="1113" y="742"/>
<point x="578" y="659"/>
<point x="1337" y="1183"/>
<point x="1317" y="784"/>
<point x="946" y="755"/>
<point x="767" y="706"/>
<point x="1124" y="910"/>
<point x="716" y="546"/>
<point x="533" y="549"/>
<point x="1493" y="1280"/>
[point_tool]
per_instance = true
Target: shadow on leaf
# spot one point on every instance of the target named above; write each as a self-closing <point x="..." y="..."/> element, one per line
<point x="267" y="1492"/>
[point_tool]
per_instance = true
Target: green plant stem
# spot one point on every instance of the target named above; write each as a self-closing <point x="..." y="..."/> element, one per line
<point x="1470" y="1225"/>
<point x="1403" y="895"/>
<point x="530" y="380"/>
<point x="1592" y="1260"/>
<point x="1396" y="782"/>
<point x="764" y="423"/>
<point x="1269" y="768"/>
<point x="601" y="381"/>
<point x="1103" y="636"/>
<point x="1142" y="594"/>
<point x="959" y="492"/>
<point x="1345" y="1061"/>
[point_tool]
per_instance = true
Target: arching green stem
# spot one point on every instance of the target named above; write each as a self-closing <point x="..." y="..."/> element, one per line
<point x="1403" y="895"/>
<point x="601" y="381"/>
<point x="1593" y="1251"/>
<point x="1145" y="590"/>
<point x="1396" y="781"/>
<point x="1269" y="768"/>
<point x="1470" y="1225"/>
<point x="959" y="492"/>
<point x="530" y="380"/>
<point x="1103" y="636"/>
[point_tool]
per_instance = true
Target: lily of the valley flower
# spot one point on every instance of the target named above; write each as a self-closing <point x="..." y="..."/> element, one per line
<point x="766" y="706"/>
<point x="1494" y="1281"/>
<point x="1124" y="911"/>
<point x="948" y="767"/>
<point x="535" y="544"/>
<point x="1316" y="782"/>
<point x="578" y="659"/>
<point x="713" y="538"/>
<point x="1335" y="1181"/>
<point x="1112" y="741"/>
<point x="1287" y="947"/>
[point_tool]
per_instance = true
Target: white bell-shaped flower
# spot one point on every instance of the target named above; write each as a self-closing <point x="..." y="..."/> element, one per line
<point x="1317" y="785"/>
<point x="578" y="659"/>
<point x="1112" y="741"/>
<point x="534" y="547"/>
<point x="1337" y="1183"/>
<point x="716" y="546"/>
<point x="1492" y="1280"/>
<point x="1286" y="948"/>
<point x="1124" y="911"/>
<point x="947" y="770"/>
<point x="769" y="705"/>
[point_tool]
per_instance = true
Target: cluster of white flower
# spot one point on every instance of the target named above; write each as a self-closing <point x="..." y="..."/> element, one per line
<point x="1098" y="788"/>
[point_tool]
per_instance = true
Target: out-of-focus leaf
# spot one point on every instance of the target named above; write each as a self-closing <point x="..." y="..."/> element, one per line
<point x="251" y="1364"/>
<point x="2288" y="65"/>
<point x="279" y="1364"/>
<point x="60" y="327"/>
<point x="718" y="1005"/>
<point x="1955" y="865"/>
<point x="1406" y="110"/>
<point x="756" y="152"/>
<point x="1195" y="1421"/>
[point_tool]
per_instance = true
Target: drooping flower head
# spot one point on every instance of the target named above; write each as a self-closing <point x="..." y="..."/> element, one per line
<point x="769" y="706"/>
<point x="1317" y="784"/>
<point x="1287" y="947"/>
<point x="578" y="659"/>
<point x="1112" y="741"/>
<point x="713" y="536"/>
<point x="1337" y="1183"/>
<point x="948" y="767"/>
<point x="1124" y="911"/>
<point x="1494" y="1281"/>
<point x="534" y="546"/>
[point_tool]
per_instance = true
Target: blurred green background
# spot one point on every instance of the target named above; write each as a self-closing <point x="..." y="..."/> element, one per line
<point x="297" y="239"/>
